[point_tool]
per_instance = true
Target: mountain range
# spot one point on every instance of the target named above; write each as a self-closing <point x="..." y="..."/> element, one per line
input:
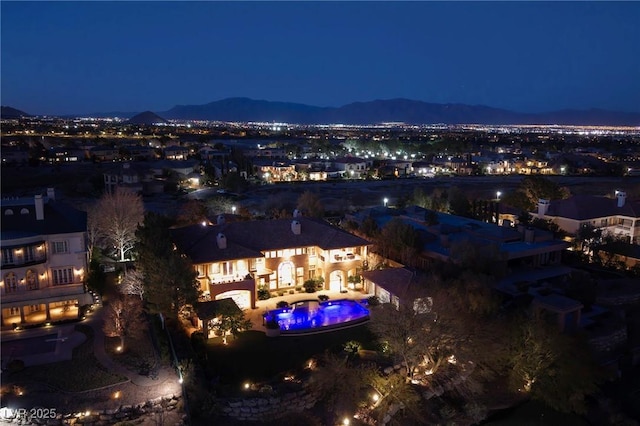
<point x="8" y="112"/>
<point x="378" y="111"/>
<point x="391" y="110"/>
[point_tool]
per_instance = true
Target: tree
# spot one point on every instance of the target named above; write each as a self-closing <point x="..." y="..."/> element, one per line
<point x="459" y="204"/>
<point x="554" y="368"/>
<point x="412" y="338"/>
<point x="169" y="278"/>
<point x="123" y="317"/>
<point x="118" y="215"/>
<point x="193" y="211"/>
<point x="133" y="283"/>
<point x="340" y="386"/>
<point x="533" y="188"/>
<point x="229" y="321"/>
<point x="95" y="235"/>
<point x="310" y="204"/>
<point x="400" y="241"/>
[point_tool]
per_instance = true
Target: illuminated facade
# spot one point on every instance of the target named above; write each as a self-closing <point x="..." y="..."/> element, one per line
<point x="236" y="259"/>
<point x="44" y="261"/>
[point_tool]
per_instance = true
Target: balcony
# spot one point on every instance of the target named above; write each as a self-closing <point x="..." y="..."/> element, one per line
<point x="42" y="295"/>
<point x="344" y="257"/>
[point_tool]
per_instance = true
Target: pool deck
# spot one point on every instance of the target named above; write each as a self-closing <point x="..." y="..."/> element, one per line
<point x="256" y="315"/>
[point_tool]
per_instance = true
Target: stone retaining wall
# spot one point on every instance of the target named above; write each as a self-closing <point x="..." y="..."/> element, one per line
<point x="267" y="407"/>
<point x="152" y="410"/>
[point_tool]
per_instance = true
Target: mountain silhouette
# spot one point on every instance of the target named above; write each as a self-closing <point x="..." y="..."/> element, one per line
<point x="8" y="112"/>
<point x="146" y="118"/>
<point x="390" y="110"/>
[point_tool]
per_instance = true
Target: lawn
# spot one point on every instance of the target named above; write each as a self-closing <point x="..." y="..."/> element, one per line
<point x="81" y="373"/>
<point x="255" y="357"/>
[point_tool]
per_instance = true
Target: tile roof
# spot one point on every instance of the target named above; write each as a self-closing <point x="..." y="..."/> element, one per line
<point x="396" y="281"/>
<point x="583" y="207"/>
<point x="248" y="239"/>
<point x="59" y="218"/>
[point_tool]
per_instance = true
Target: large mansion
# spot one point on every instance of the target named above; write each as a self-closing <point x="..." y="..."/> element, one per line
<point x="44" y="261"/>
<point x="616" y="216"/>
<point x="235" y="259"/>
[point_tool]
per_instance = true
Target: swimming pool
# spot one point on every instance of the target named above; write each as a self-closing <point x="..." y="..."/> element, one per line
<point x="312" y="315"/>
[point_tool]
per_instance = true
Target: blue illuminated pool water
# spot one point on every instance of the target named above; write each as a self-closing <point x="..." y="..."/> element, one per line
<point x="311" y="315"/>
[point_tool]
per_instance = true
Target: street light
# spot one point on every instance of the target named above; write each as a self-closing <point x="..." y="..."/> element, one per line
<point x="233" y="209"/>
<point x="498" y="194"/>
<point x="386" y="200"/>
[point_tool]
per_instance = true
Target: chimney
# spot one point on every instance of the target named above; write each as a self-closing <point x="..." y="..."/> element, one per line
<point x="296" y="227"/>
<point x="39" y="207"/>
<point x="543" y="207"/>
<point x="529" y="235"/>
<point x="621" y="197"/>
<point x="222" y="241"/>
<point x="297" y="213"/>
<point x="51" y="194"/>
<point x="220" y="219"/>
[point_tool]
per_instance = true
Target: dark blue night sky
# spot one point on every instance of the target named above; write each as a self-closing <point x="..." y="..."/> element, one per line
<point x="81" y="57"/>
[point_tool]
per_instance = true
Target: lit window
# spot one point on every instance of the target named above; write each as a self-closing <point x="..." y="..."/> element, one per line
<point x="60" y="247"/>
<point x="11" y="283"/>
<point x="62" y="276"/>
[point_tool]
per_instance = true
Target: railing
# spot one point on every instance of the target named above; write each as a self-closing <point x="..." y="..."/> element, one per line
<point x="24" y="295"/>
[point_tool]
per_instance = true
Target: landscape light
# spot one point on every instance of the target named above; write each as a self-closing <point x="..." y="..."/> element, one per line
<point x="375" y="397"/>
<point x="386" y="200"/>
<point x="346" y="421"/>
<point x="247" y="385"/>
<point x="498" y="194"/>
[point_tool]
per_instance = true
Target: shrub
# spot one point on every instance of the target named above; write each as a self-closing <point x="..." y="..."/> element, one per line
<point x="373" y="301"/>
<point x="282" y="304"/>
<point x="299" y="288"/>
<point x="323" y="297"/>
<point x="310" y="286"/>
<point x="291" y="291"/>
<point x="263" y="293"/>
<point x="281" y="293"/>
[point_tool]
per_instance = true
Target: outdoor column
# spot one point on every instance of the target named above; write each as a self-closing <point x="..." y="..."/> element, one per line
<point x="22" y="320"/>
<point x="205" y="329"/>
<point x="46" y="308"/>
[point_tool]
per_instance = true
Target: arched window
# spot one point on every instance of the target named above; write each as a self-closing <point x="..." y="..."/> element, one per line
<point x="10" y="283"/>
<point x="285" y="274"/>
<point x="24" y="211"/>
<point x="32" y="280"/>
<point x="8" y="212"/>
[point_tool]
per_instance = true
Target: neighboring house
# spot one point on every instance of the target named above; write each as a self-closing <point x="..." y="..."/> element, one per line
<point x="441" y="233"/>
<point x="104" y="153"/>
<point x="351" y="167"/>
<point x="176" y="152"/>
<point x="618" y="252"/>
<point x="395" y="285"/>
<point x="615" y="216"/>
<point x="126" y="175"/>
<point x="64" y="155"/>
<point x="272" y="171"/>
<point x="44" y="261"/>
<point x="236" y="259"/>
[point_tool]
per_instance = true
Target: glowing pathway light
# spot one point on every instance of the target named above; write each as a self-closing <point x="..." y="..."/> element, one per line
<point x="498" y="194"/>
<point x="386" y="200"/>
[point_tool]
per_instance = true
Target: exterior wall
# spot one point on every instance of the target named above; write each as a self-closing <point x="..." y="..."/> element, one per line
<point x="48" y="286"/>
<point x="282" y="269"/>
